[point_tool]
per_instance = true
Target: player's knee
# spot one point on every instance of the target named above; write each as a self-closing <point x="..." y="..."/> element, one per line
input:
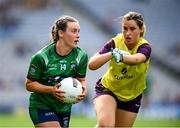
<point x="105" y="122"/>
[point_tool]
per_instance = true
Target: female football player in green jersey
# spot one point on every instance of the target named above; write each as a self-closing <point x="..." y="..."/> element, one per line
<point x="118" y="93"/>
<point x="56" y="61"/>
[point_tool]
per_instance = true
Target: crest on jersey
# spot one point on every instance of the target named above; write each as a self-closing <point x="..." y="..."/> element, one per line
<point x="33" y="69"/>
<point x="73" y="65"/>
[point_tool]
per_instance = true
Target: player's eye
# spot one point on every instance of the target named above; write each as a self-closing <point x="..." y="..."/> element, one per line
<point x="75" y="31"/>
<point x="125" y="28"/>
<point x="132" y="28"/>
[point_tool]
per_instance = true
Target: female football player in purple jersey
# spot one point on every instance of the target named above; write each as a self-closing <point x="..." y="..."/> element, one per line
<point x="61" y="58"/>
<point x="118" y="93"/>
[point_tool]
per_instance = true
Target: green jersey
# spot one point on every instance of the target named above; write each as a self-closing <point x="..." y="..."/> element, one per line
<point x="49" y="68"/>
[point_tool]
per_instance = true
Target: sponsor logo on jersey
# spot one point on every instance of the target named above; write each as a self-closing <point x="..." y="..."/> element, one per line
<point x="63" y="61"/>
<point x="55" y="79"/>
<point x="123" y="77"/>
<point x="124" y="71"/>
<point x="52" y="66"/>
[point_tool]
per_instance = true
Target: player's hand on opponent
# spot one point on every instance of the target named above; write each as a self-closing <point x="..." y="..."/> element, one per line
<point x="118" y="54"/>
<point x="58" y="93"/>
<point x="81" y="97"/>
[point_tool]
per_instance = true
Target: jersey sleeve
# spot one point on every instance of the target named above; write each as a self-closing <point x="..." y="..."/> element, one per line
<point x="35" y="67"/>
<point x="82" y="68"/>
<point x="107" y="47"/>
<point x="146" y="50"/>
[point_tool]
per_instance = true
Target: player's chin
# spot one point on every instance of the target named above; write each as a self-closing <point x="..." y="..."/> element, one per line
<point x="128" y="41"/>
<point x="74" y="45"/>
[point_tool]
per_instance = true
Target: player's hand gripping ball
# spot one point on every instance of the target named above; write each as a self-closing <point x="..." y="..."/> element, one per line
<point x="72" y="88"/>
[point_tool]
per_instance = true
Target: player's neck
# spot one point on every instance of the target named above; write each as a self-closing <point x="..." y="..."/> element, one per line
<point x="62" y="49"/>
<point x="131" y="46"/>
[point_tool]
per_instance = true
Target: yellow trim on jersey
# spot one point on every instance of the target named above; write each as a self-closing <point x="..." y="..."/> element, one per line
<point x="125" y="81"/>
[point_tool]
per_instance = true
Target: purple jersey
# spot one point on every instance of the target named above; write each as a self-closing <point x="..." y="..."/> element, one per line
<point x="144" y="49"/>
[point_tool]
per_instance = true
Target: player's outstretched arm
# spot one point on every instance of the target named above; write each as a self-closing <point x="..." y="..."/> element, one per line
<point x="134" y="59"/>
<point x="99" y="60"/>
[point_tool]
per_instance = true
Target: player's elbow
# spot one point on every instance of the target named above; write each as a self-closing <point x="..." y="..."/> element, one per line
<point x="92" y="66"/>
<point x="27" y="85"/>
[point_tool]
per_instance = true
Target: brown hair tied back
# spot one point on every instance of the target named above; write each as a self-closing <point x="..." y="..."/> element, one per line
<point x="60" y="24"/>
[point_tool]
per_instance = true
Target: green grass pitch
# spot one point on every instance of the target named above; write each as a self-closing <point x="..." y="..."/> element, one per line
<point x="16" y="121"/>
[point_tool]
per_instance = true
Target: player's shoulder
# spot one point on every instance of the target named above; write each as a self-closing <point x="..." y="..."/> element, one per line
<point x="43" y="52"/>
<point x="145" y="45"/>
<point x="45" y="49"/>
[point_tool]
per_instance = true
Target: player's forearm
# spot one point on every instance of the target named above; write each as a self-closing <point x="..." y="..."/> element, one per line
<point x="133" y="59"/>
<point x="84" y="86"/>
<point x="34" y="86"/>
<point x="83" y="82"/>
<point x="98" y="60"/>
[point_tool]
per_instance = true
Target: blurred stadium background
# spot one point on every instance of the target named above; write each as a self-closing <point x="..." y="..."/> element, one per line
<point x="25" y="27"/>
